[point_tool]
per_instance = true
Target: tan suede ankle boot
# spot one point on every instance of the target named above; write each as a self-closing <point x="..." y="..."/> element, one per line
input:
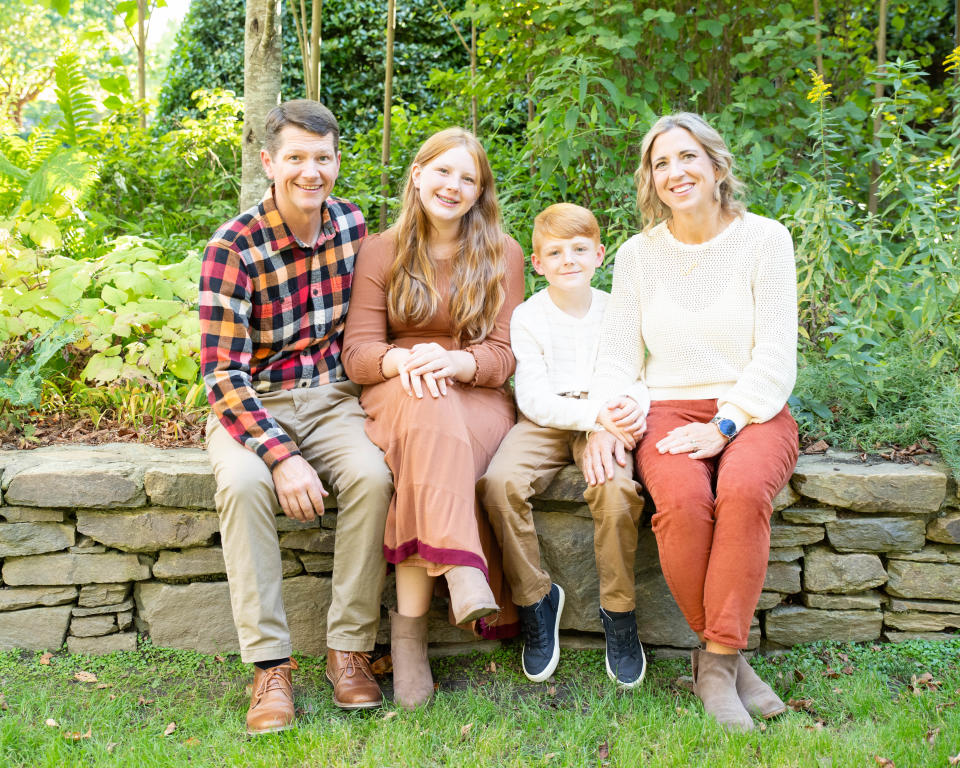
<point x="756" y="696"/>
<point x="470" y="595"/>
<point x="412" y="679"/>
<point x="715" y="683"/>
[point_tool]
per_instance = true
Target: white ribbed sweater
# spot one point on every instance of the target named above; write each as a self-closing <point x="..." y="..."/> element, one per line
<point x="712" y="320"/>
<point x="556" y="352"/>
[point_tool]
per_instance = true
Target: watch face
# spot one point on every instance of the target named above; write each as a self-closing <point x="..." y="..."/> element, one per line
<point x="727" y="427"/>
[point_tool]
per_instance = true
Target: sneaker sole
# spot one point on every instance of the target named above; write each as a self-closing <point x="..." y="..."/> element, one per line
<point x="555" y="659"/>
<point x="621" y="683"/>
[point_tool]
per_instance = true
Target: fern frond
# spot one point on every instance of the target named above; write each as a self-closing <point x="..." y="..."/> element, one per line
<point x="75" y="104"/>
<point x="68" y="172"/>
<point x="42" y="143"/>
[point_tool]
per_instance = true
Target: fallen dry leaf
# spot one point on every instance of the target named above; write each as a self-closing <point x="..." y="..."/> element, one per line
<point x="219" y="658"/>
<point x="923" y="682"/>
<point x="831" y="673"/>
<point x="955" y="760"/>
<point x="550" y="755"/>
<point x="884" y="762"/>
<point x="110" y="747"/>
<point x="552" y="690"/>
<point x="171" y="727"/>
<point x="51" y="723"/>
<point x="800" y="704"/>
<point x="142" y="702"/>
<point x="77" y="736"/>
<point x="491" y="667"/>
<point x="603" y="751"/>
<point x="85" y="677"/>
<point x="388" y="715"/>
<point x="192" y="741"/>
<point x="847" y="670"/>
<point x="931" y="736"/>
<point x="45" y="659"/>
<point x="818" y="447"/>
<point x="101" y="686"/>
<point x="382" y="666"/>
<point x="464" y="730"/>
<point x="817" y="726"/>
<point x="3" y="703"/>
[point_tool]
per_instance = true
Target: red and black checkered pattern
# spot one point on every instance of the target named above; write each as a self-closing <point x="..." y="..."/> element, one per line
<point x="272" y="312"/>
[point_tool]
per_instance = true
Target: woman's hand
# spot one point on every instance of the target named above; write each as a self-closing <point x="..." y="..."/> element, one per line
<point x="598" y="457"/>
<point x="700" y="440"/>
<point x="433" y="366"/>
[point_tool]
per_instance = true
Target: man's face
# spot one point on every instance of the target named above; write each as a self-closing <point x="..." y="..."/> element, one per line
<point x="304" y="169"/>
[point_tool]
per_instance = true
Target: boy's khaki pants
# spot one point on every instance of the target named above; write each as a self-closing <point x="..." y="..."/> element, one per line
<point x="326" y="422"/>
<point x="528" y="459"/>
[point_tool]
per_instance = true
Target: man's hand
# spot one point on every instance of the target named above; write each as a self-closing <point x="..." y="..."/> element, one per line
<point x="299" y="490"/>
<point x="598" y="457"/>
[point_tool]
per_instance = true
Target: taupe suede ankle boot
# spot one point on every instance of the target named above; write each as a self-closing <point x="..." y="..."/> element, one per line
<point x="756" y="696"/>
<point x="715" y="682"/>
<point x="412" y="679"/>
<point x="470" y="595"/>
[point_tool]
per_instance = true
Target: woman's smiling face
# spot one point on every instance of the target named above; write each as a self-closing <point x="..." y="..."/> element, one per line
<point x="448" y="185"/>
<point x="683" y="173"/>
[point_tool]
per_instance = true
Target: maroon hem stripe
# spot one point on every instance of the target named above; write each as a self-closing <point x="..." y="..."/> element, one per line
<point x="435" y="555"/>
<point x="498" y="631"/>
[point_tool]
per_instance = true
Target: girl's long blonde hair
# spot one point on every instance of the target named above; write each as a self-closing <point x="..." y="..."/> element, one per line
<point x="729" y="188"/>
<point x="479" y="265"/>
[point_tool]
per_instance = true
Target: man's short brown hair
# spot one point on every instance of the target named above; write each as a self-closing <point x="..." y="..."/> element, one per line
<point x="564" y="221"/>
<point x="307" y="114"/>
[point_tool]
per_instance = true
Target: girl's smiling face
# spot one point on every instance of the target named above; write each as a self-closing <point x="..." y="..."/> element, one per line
<point x="448" y="185"/>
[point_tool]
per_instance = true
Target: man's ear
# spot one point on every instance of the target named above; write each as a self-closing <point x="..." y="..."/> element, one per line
<point x="267" y="163"/>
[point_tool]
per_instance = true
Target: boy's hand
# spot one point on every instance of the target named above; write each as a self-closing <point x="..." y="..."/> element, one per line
<point x="598" y="457"/>
<point x="628" y="415"/>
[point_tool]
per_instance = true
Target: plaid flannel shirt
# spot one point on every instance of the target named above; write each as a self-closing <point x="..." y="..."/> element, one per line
<point x="272" y="313"/>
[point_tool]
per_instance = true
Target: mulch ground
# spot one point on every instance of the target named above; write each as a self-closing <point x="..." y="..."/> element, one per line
<point x="61" y="430"/>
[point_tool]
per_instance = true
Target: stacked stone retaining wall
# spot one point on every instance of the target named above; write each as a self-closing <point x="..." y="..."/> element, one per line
<point x="100" y="543"/>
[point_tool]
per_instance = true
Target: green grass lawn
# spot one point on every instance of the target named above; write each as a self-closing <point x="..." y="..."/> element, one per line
<point x="851" y="706"/>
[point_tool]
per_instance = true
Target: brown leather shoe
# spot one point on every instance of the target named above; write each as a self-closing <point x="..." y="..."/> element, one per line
<point x="271" y="702"/>
<point x="354" y="686"/>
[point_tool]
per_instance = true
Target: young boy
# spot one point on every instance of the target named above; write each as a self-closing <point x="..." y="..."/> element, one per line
<point x="554" y="335"/>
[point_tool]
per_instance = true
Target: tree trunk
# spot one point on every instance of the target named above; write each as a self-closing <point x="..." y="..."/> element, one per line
<point x="387" y="103"/>
<point x="819" y="39"/>
<point x="473" y="74"/>
<point x="142" y="59"/>
<point x="878" y="94"/>
<point x="261" y="92"/>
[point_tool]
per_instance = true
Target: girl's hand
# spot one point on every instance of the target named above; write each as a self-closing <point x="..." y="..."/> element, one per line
<point x="598" y="457"/>
<point x="701" y="441"/>
<point x="433" y="366"/>
<point x="627" y="414"/>
<point x="392" y="365"/>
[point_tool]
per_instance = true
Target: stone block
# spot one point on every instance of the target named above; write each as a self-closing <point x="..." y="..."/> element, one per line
<point x="77" y="484"/>
<point x="932" y="553"/>
<point x="568" y="486"/>
<point x="97" y="646"/>
<point x="862" y="601"/>
<point x="313" y="540"/>
<point x="919" y="621"/>
<point x="826" y="571"/>
<point x="843" y="481"/>
<point x="190" y="563"/>
<point x="929" y="606"/>
<point x="149" y="530"/>
<point x="785" y="554"/>
<point x="186" y="485"/>
<point x="93" y="626"/>
<point x="124" y="620"/>
<point x="34" y="629"/>
<point x="753" y="638"/>
<point x="787" y="497"/>
<point x="197" y="616"/>
<point x="126" y="605"/>
<point x="945" y="529"/>
<point x="902" y="637"/>
<point x="809" y="515"/>
<point x="792" y="624"/>
<point x="18" y="539"/>
<point x="768" y="600"/>
<point x="93" y="595"/>
<point x="32" y="515"/>
<point x="15" y="598"/>
<point x="876" y="534"/>
<point x="317" y="562"/>
<point x="73" y="569"/>
<point x="795" y="535"/>
<point x="783" y="577"/>
<point x="285" y="523"/>
<point x="930" y="581"/>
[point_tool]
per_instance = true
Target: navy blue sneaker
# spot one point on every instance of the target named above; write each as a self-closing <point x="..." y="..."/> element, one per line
<point x="626" y="664"/>
<point x="540" y="627"/>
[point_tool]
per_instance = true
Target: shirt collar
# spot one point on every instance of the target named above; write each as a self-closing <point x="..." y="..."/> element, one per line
<point x="278" y="233"/>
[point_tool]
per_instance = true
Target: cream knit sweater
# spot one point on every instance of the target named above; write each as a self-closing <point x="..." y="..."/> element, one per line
<point x="712" y="320"/>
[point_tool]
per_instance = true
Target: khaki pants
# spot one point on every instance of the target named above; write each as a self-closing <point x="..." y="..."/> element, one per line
<point x="528" y="459"/>
<point x="327" y="424"/>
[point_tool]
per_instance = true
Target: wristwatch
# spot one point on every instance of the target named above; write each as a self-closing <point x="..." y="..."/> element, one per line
<point x="727" y="427"/>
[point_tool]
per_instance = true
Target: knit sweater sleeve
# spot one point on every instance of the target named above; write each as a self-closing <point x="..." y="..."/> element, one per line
<point x="766" y="382"/>
<point x="529" y="330"/>
<point x="619" y="368"/>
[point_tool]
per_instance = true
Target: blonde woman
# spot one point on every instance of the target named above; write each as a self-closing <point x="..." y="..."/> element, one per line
<point x="428" y="337"/>
<point x="704" y="312"/>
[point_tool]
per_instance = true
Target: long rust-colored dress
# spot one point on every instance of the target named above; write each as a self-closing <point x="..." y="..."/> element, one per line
<point x="437" y="448"/>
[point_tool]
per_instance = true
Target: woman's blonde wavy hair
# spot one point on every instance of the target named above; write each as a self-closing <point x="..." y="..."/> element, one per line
<point x="413" y="295"/>
<point x="727" y="191"/>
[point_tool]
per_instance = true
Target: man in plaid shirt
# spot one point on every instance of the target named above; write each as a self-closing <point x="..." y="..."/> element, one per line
<point x="285" y="421"/>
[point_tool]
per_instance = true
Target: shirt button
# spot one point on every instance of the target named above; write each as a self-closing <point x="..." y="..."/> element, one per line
<point x="304" y="384"/>
<point x="315" y="291"/>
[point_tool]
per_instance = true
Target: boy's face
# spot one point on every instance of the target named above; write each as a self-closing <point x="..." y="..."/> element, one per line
<point x="568" y="263"/>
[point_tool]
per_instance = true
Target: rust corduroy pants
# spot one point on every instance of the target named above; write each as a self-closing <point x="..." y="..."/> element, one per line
<point x="712" y="519"/>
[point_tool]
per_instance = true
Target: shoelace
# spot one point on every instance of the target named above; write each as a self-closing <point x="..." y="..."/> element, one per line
<point x="534" y="632"/>
<point x="273" y="679"/>
<point x="626" y="643"/>
<point x="357" y="661"/>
